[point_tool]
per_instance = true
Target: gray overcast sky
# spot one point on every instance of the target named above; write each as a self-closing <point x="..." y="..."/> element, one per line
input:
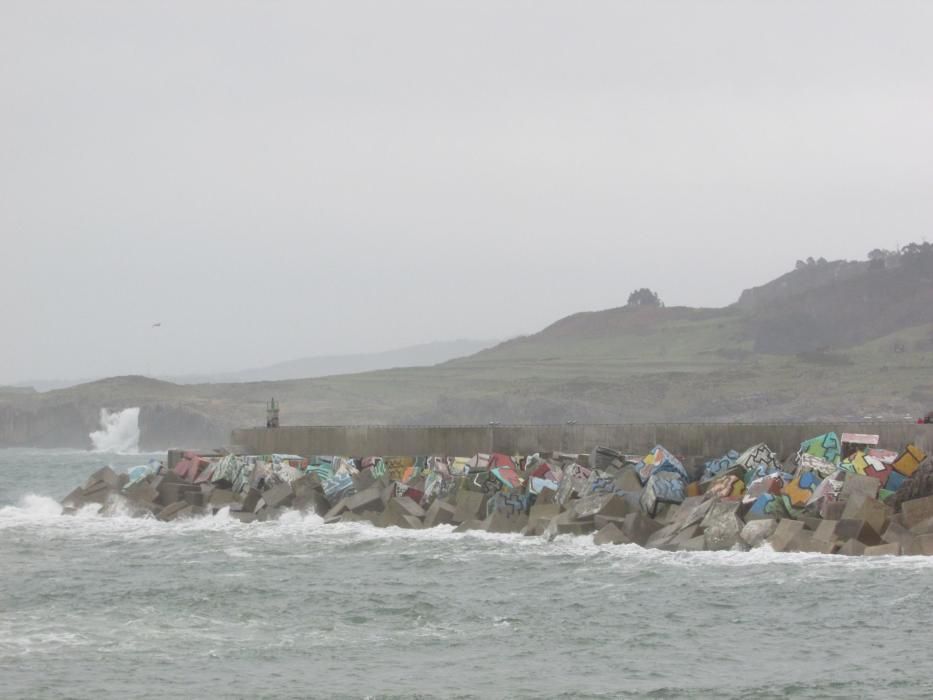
<point x="272" y="179"/>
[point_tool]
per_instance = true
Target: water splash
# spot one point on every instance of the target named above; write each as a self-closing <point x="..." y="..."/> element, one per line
<point x="119" y="432"/>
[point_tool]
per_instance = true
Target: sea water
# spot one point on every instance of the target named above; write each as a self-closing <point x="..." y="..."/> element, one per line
<point x="116" y="607"/>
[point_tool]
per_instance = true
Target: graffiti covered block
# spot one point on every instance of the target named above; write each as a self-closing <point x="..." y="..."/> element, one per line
<point x="801" y="488"/>
<point x="909" y="460"/>
<point x="661" y="489"/>
<point x="827" y="447"/>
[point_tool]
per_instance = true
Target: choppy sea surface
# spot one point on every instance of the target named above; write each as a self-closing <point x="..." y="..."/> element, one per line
<point x="94" y="607"/>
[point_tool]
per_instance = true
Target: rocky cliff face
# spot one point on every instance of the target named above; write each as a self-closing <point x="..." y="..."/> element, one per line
<point x="42" y="422"/>
<point x="37" y="425"/>
<point x="163" y="426"/>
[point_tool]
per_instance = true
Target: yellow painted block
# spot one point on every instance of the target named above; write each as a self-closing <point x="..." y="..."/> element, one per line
<point x="909" y="460"/>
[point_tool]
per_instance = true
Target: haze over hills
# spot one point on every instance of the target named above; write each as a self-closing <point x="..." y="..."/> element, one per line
<point x="828" y="341"/>
<point x="421" y="355"/>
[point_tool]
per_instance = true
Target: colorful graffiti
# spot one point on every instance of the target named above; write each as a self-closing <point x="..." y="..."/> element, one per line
<point x="661" y="489"/>
<point x="909" y="460"/>
<point x="800" y="490"/>
<point x="715" y="467"/>
<point x="767" y="505"/>
<point x="827" y="447"/>
<point x="816" y="464"/>
<point x="757" y="456"/>
<point x="659" y="460"/>
<point x="727" y="486"/>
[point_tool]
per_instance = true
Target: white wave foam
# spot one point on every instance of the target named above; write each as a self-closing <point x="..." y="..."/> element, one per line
<point x="119" y="432"/>
<point x="35" y="511"/>
<point x="32" y="507"/>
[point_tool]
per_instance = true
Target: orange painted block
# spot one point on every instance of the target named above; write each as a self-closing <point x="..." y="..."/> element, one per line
<point x="801" y="488"/>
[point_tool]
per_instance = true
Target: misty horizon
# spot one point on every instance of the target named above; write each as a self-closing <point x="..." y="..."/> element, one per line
<point x="361" y="177"/>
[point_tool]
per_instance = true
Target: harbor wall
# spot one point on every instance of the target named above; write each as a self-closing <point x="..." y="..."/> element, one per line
<point x="688" y="439"/>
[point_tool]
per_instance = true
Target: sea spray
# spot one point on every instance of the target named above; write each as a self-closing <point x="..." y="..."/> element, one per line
<point x="119" y="432"/>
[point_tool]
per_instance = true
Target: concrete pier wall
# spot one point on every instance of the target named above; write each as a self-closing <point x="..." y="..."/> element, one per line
<point x="688" y="439"/>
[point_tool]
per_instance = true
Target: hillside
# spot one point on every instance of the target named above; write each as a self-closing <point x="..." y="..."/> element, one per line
<point x="422" y="355"/>
<point x="826" y="341"/>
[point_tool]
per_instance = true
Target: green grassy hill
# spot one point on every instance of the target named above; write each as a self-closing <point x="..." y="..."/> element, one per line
<point x="828" y="341"/>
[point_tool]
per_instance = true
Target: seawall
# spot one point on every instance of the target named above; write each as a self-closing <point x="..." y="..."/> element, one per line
<point x="689" y="439"/>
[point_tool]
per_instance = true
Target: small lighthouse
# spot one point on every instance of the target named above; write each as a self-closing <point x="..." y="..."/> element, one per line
<point x="272" y="414"/>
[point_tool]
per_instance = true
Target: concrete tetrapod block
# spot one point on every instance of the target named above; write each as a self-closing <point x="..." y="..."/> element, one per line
<point x="857" y="530"/>
<point x="611" y="534"/>
<point x="722" y="525"/>
<point x="439" y="513"/>
<point x="662" y="537"/>
<point x="250" y="500"/>
<point x="872" y="511"/>
<point x="600" y="521"/>
<point x="826" y="532"/>
<point x="499" y="522"/>
<point x="882" y="550"/>
<point x="195" y="498"/>
<point x="804" y="541"/>
<point x="303" y="486"/>
<point x="685" y="535"/>
<point x="406" y="506"/>
<point x="106" y="475"/>
<point x="895" y="533"/>
<point x="75" y="499"/>
<point x="279" y="496"/>
<point x="924" y="527"/>
<point x="921" y="545"/>
<point x="368" y="499"/>
<point x="627" y="480"/>
<point x="221" y="498"/>
<point x="638" y="527"/>
<point x="784" y="534"/>
<point x="336" y="511"/>
<point x="810" y="523"/>
<point x="469" y="525"/>
<point x="142" y="492"/>
<point x="363" y="480"/>
<point x="757" y="532"/>
<point x="311" y="502"/>
<point x="470" y="506"/>
<point x="601" y="504"/>
<point x="697" y="544"/>
<point x="98" y="492"/>
<point x="268" y="514"/>
<point x="543" y="510"/>
<point x="566" y="524"/>
<point x="667" y="514"/>
<point x="172" y="488"/>
<point x="397" y="517"/>
<point x="916" y="511"/>
<point x="852" y="548"/>
<point x="174" y="511"/>
<point x="693" y="510"/>
<point x="857" y="483"/>
<point x="832" y="510"/>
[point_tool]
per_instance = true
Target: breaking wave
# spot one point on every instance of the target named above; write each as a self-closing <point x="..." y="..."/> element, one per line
<point x="119" y="432"/>
<point x="309" y="529"/>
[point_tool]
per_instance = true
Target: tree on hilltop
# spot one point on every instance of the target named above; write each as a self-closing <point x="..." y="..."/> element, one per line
<point x="644" y="297"/>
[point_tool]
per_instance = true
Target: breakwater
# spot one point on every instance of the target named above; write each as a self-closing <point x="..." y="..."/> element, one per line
<point x="689" y="439"/>
<point x="847" y="494"/>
